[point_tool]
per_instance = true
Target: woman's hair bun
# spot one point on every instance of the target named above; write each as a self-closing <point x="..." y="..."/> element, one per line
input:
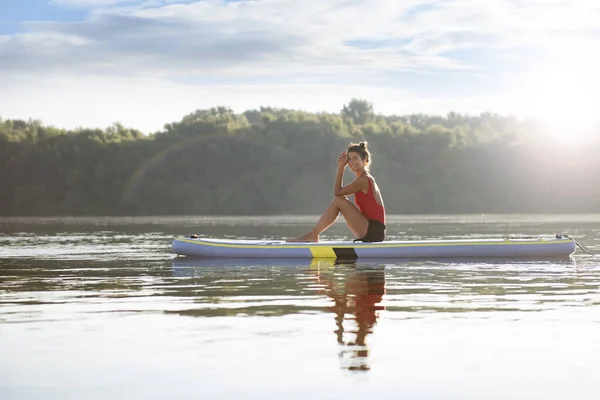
<point x="363" y="145"/>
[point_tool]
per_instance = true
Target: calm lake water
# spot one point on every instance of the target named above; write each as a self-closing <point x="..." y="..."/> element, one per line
<point x="99" y="308"/>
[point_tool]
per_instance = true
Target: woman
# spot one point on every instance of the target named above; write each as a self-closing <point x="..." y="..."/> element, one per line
<point x="367" y="218"/>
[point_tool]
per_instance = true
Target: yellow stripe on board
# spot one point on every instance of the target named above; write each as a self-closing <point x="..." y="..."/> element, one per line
<point x="322" y="251"/>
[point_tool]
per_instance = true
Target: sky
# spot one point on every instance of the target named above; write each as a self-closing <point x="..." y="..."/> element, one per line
<point x="145" y="63"/>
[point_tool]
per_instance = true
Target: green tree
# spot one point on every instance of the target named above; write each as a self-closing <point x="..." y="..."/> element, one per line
<point x="274" y="160"/>
<point x="358" y="111"/>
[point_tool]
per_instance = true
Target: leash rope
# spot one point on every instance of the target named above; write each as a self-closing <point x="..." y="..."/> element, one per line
<point x="562" y="235"/>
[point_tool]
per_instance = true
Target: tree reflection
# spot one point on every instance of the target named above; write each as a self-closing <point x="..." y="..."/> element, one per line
<point x="356" y="290"/>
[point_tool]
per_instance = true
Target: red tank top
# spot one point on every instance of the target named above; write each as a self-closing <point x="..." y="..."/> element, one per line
<point x="369" y="206"/>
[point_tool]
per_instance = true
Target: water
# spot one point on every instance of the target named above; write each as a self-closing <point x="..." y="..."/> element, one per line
<point x="96" y="308"/>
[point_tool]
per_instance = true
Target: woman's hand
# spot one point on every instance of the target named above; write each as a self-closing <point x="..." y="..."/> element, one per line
<point x="342" y="160"/>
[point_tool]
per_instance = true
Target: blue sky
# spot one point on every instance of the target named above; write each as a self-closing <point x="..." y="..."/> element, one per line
<point x="149" y="62"/>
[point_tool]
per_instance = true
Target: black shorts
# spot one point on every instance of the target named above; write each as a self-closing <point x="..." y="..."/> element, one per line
<point x="375" y="232"/>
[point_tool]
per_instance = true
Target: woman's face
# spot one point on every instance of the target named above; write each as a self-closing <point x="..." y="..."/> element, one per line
<point x="354" y="161"/>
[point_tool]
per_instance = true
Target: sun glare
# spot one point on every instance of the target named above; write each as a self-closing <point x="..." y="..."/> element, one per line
<point x="565" y="100"/>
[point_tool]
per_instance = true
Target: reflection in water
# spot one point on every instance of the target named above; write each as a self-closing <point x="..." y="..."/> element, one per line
<point x="356" y="289"/>
<point x="355" y="292"/>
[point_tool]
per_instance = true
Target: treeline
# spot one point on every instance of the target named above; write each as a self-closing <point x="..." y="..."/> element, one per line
<point x="278" y="161"/>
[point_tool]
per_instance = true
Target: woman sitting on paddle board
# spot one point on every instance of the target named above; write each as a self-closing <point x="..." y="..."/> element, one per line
<point x="366" y="219"/>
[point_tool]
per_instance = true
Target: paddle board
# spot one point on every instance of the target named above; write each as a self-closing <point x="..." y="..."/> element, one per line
<point x="557" y="246"/>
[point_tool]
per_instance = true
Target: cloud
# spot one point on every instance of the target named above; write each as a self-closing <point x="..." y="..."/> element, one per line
<point x="129" y="44"/>
<point x="242" y="38"/>
<point x="439" y="43"/>
<point x="275" y="47"/>
<point x="287" y="37"/>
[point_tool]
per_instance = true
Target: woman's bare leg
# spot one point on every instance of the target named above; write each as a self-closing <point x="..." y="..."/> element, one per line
<point x="356" y="221"/>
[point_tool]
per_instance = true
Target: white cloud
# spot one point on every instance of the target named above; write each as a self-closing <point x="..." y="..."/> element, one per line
<point x="279" y="36"/>
<point x="277" y="46"/>
<point x="242" y="38"/>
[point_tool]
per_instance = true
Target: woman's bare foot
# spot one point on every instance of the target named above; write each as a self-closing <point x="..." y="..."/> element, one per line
<point x="305" y="238"/>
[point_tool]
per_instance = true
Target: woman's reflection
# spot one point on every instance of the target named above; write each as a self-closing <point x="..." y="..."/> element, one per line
<point x="356" y="292"/>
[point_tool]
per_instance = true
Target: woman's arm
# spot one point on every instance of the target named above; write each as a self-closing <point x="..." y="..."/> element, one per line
<point x="353" y="187"/>
<point x="356" y="185"/>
